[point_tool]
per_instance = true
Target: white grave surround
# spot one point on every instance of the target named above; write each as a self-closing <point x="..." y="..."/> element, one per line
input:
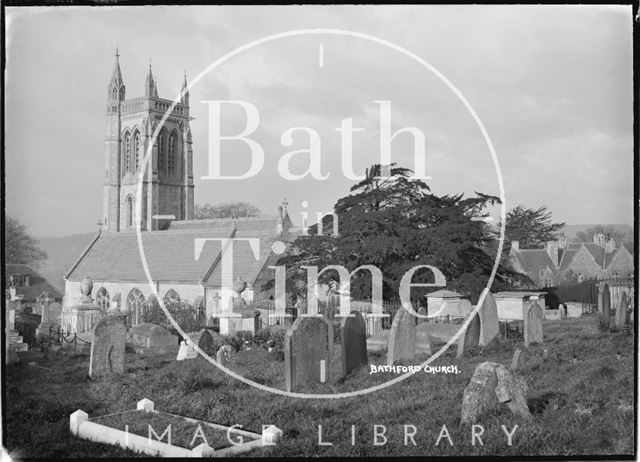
<point x="574" y="309"/>
<point x="81" y="426"/>
<point x="511" y="305"/>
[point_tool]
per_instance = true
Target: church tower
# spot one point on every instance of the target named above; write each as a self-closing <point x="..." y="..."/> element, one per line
<point x="167" y="182"/>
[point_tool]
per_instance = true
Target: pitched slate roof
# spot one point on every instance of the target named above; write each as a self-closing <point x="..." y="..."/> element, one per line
<point x="534" y="260"/>
<point x="37" y="284"/>
<point x="170" y="254"/>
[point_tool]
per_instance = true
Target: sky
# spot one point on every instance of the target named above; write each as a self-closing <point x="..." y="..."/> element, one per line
<point x="552" y="86"/>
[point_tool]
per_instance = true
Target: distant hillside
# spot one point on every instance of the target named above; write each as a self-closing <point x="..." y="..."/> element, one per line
<point x="63" y="253"/>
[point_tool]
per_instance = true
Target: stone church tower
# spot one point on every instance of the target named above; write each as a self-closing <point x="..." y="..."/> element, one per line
<point x="167" y="182"/>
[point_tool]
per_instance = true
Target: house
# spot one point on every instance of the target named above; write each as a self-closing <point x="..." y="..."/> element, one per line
<point x="27" y="287"/>
<point x="562" y="262"/>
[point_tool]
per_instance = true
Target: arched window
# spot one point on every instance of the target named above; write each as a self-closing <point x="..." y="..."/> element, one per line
<point x="135" y="307"/>
<point x="171" y="298"/>
<point x="173" y="153"/>
<point x="136" y="151"/>
<point x="129" y="211"/>
<point x="102" y="299"/>
<point x="127" y="153"/>
<point x="162" y="151"/>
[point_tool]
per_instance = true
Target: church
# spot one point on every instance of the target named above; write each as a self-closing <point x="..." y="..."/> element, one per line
<point x="170" y="235"/>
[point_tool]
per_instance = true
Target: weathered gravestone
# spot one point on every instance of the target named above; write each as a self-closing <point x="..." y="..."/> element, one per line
<point x="533" y="325"/>
<point x="621" y="311"/>
<point x="604" y="301"/>
<point x="51" y="313"/>
<point x="492" y="385"/>
<point x="148" y="338"/>
<point x="308" y="347"/>
<point x="519" y="360"/>
<point x="204" y="340"/>
<point x="107" y="346"/>
<point x="186" y="351"/>
<point x="471" y="337"/>
<point x="489" y="327"/>
<point x="223" y="356"/>
<point x="354" y="343"/>
<point x="402" y="338"/>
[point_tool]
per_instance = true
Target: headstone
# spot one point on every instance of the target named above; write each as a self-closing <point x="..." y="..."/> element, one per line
<point x="50" y="317"/>
<point x="223" y="356"/>
<point x="605" y="314"/>
<point x="471" y="337"/>
<point x="186" y="351"/>
<point x="354" y="343"/>
<point x="574" y="309"/>
<point x="402" y="338"/>
<point x="621" y="311"/>
<point x="519" y="360"/>
<point x="489" y="327"/>
<point x="107" y="346"/>
<point x="422" y="311"/>
<point x="533" y="325"/>
<point x="491" y="386"/>
<point x="562" y="308"/>
<point x="204" y="340"/>
<point x="151" y="338"/>
<point x="308" y="347"/>
<point x="552" y="315"/>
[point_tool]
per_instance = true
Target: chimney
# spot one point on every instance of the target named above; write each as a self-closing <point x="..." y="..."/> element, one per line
<point x="598" y="238"/>
<point x="515" y="245"/>
<point x="610" y="246"/>
<point x="552" y="251"/>
<point x="562" y="242"/>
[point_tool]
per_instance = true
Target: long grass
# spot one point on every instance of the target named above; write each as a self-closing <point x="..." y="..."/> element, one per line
<point x="581" y="397"/>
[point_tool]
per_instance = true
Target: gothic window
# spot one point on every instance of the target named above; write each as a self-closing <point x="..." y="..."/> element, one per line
<point x="127" y="153"/>
<point x="102" y="299"/>
<point x="162" y="148"/>
<point x="136" y="151"/>
<point x="129" y="201"/>
<point x="173" y="153"/>
<point x="171" y="298"/>
<point x="135" y="307"/>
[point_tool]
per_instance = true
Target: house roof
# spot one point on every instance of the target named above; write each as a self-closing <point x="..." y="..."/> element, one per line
<point x="170" y="254"/>
<point x="534" y="260"/>
<point x="37" y="284"/>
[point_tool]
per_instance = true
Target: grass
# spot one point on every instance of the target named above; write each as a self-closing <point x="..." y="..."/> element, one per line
<point x="582" y="398"/>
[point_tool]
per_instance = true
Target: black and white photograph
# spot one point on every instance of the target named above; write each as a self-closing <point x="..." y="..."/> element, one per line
<point x="286" y="231"/>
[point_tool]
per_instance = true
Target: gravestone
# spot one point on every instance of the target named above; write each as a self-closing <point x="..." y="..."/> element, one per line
<point x="51" y="313"/>
<point x="621" y="311"/>
<point x="308" y="347"/>
<point x="563" y="310"/>
<point x="471" y="337"/>
<point x="223" y="356"/>
<point x="491" y="386"/>
<point x="605" y="314"/>
<point x="519" y="360"/>
<point x="107" y="346"/>
<point x="533" y="325"/>
<point x="489" y="327"/>
<point x="402" y="338"/>
<point x="204" y="340"/>
<point x="148" y="338"/>
<point x="186" y="351"/>
<point x="422" y="311"/>
<point x="354" y="343"/>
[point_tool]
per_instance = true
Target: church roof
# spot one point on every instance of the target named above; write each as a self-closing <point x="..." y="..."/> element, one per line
<point x="170" y="254"/>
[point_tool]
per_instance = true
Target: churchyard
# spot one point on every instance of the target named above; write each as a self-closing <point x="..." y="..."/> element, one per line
<point x="578" y="390"/>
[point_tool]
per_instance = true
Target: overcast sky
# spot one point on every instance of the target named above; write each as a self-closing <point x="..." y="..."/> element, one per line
<point x="551" y="84"/>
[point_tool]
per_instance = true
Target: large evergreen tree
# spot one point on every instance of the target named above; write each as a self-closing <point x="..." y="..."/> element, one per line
<point x="395" y="223"/>
<point x="532" y="228"/>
